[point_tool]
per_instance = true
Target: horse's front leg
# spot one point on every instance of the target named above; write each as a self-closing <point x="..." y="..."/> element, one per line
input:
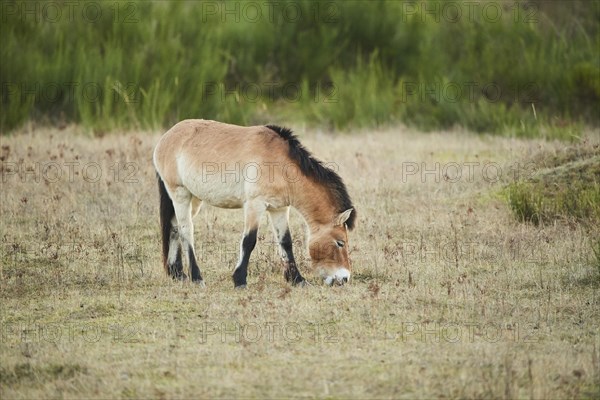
<point x="279" y="219"/>
<point x="253" y="210"/>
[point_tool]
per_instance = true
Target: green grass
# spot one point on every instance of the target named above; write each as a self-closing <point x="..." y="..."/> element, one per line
<point x="596" y="253"/>
<point x="562" y="186"/>
<point x="29" y="374"/>
<point x="142" y="65"/>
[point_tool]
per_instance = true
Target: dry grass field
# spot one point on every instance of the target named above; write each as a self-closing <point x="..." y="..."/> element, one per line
<point x="450" y="297"/>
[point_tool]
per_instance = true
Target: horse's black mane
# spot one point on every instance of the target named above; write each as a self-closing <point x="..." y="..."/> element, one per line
<point x="313" y="168"/>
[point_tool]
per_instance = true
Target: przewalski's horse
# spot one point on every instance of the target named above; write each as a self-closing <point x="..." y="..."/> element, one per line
<point x="259" y="168"/>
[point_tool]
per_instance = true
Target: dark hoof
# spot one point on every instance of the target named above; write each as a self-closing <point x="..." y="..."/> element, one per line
<point x="239" y="287"/>
<point x="239" y="277"/>
<point x="300" y="282"/>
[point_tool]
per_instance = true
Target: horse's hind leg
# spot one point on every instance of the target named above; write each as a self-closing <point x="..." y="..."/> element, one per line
<point x="252" y="213"/>
<point x="182" y="202"/>
<point x="279" y="219"/>
<point x="174" y="261"/>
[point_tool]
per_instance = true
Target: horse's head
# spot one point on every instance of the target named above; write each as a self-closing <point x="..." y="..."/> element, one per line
<point x="328" y="249"/>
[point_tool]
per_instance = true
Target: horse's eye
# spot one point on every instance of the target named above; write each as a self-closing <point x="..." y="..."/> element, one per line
<point x="340" y="243"/>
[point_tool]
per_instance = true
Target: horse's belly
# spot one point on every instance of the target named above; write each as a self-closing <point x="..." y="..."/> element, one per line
<point x="218" y="193"/>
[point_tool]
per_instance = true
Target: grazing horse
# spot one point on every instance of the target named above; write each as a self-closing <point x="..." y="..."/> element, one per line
<point x="259" y="168"/>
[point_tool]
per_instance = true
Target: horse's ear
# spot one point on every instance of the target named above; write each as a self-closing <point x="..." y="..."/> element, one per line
<point x="341" y="218"/>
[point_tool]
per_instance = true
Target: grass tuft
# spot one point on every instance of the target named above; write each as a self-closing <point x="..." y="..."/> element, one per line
<point x="569" y="188"/>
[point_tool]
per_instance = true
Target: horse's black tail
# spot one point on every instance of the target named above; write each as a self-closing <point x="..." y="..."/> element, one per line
<point x="167" y="212"/>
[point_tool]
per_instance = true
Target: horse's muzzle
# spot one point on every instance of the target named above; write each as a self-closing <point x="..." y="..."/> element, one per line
<point x="339" y="277"/>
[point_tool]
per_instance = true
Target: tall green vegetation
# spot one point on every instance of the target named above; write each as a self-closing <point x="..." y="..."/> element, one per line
<point x="525" y="68"/>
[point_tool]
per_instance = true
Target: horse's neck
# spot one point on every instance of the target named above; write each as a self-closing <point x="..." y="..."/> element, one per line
<point x="312" y="200"/>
